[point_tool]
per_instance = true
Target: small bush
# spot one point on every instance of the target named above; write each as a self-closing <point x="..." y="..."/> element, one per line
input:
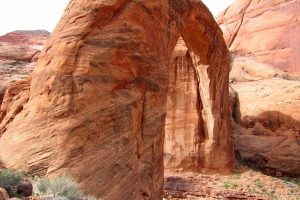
<point x="90" y="198"/>
<point x="9" y="179"/>
<point x="226" y="185"/>
<point x="237" y="176"/>
<point x="259" y="183"/>
<point x="59" y="188"/>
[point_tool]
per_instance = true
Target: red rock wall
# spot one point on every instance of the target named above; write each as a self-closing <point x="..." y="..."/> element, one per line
<point x="265" y="30"/>
<point x="96" y="106"/>
<point x="183" y="120"/>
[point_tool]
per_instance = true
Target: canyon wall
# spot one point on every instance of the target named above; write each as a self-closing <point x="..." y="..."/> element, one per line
<point x="95" y="105"/>
<point x="266" y="120"/>
<point x="264" y="37"/>
<point x="267" y="31"/>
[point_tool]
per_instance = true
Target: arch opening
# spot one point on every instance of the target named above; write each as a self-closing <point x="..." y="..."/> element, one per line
<point x="184" y="127"/>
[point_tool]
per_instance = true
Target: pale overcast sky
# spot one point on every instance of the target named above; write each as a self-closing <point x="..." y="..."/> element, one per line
<point x="44" y="14"/>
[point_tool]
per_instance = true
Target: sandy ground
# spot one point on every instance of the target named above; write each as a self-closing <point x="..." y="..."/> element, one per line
<point x="242" y="184"/>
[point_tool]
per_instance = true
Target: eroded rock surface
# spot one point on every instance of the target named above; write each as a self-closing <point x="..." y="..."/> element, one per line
<point x="182" y="121"/>
<point x="185" y="129"/>
<point x="267" y="31"/>
<point x="267" y="125"/>
<point x="263" y="37"/>
<point x="96" y="103"/>
<point x="18" y="52"/>
<point x="22" y="45"/>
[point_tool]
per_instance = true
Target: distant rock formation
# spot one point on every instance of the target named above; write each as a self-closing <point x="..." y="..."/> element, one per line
<point x="18" y="52"/>
<point x="266" y="124"/>
<point x="267" y="31"/>
<point x="26" y="37"/>
<point x="95" y="105"/>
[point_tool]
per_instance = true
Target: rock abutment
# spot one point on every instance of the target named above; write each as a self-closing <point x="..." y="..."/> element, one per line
<point x="96" y="105"/>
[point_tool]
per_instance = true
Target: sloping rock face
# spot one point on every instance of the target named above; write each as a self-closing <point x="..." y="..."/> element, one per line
<point x="263" y="37"/>
<point x="96" y="104"/>
<point x="267" y="125"/>
<point x="267" y="31"/>
<point x="265" y="106"/>
<point x="18" y="53"/>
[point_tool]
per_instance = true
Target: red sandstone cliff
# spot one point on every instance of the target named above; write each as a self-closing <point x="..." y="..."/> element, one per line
<point x="268" y="31"/>
<point x="264" y="38"/>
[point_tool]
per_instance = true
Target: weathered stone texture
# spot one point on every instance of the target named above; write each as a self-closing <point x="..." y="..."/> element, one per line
<point x="265" y="30"/>
<point x="96" y="106"/>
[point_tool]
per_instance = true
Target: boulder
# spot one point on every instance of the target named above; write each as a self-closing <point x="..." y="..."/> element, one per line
<point x="3" y="194"/>
<point x="267" y="125"/>
<point x="25" y="189"/>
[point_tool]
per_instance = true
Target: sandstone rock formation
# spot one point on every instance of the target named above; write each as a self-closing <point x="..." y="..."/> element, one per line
<point x="182" y="128"/>
<point x="263" y="37"/>
<point x="22" y="45"/>
<point x="18" y="53"/>
<point x="267" y="125"/>
<point x="267" y="31"/>
<point x="3" y="194"/>
<point x="96" y="104"/>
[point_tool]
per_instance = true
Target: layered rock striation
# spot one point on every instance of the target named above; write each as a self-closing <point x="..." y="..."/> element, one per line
<point x="263" y="37"/>
<point x="267" y="31"/>
<point x="22" y="45"/>
<point x="266" y="125"/>
<point x="95" y="105"/>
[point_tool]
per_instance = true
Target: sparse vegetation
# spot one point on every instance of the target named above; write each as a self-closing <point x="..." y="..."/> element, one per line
<point x="293" y="181"/>
<point x="226" y="185"/>
<point x="230" y="185"/>
<point x="9" y="179"/>
<point x="237" y="176"/>
<point x="259" y="183"/>
<point x="251" y="173"/>
<point x="15" y="63"/>
<point x="60" y="188"/>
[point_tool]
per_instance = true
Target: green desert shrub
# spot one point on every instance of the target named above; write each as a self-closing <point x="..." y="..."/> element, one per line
<point x="59" y="188"/>
<point x="9" y="179"/>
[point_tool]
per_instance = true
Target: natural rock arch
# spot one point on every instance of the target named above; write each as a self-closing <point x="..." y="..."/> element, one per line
<point x="96" y="103"/>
